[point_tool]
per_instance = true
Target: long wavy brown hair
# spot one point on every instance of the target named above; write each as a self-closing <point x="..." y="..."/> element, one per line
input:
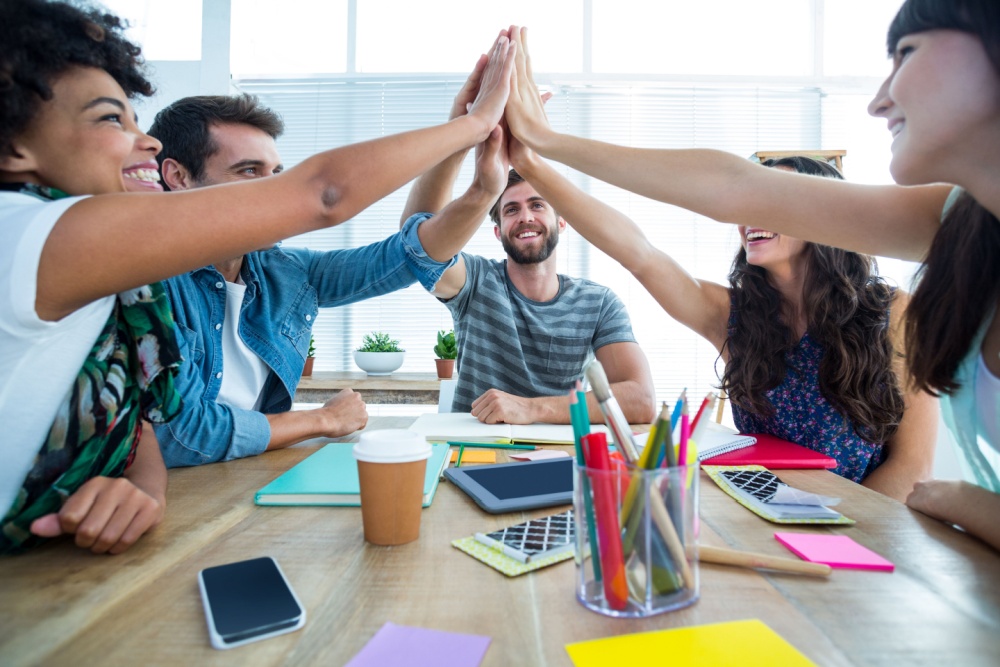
<point x="959" y="282"/>
<point x="847" y="309"/>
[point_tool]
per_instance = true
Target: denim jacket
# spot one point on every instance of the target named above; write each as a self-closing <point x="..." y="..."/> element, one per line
<point x="285" y="289"/>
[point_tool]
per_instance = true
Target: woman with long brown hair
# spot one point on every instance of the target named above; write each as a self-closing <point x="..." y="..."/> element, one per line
<point x="808" y="334"/>
<point x="942" y="105"/>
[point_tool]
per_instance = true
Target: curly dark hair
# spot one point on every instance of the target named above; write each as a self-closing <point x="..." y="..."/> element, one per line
<point x="40" y="40"/>
<point x="847" y="309"/>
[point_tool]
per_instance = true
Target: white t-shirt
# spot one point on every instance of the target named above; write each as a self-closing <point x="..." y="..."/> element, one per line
<point x="38" y="360"/>
<point x="243" y="372"/>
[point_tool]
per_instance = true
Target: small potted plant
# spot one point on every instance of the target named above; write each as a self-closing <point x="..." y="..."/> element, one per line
<point x="379" y="354"/>
<point x="307" y="370"/>
<point x="446" y="350"/>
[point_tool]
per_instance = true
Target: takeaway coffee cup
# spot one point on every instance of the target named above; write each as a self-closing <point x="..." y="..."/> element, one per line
<point x="391" y="467"/>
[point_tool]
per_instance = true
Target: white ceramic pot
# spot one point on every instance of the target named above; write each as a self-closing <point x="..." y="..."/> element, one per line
<point x="378" y="363"/>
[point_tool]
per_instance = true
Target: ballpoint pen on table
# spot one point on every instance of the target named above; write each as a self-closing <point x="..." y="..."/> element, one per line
<point x="491" y="445"/>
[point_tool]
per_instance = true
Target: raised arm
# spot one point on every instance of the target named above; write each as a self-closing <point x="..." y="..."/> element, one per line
<point x="185" y="230"/>
<point x="890" y="220"/>
<point x="454" y="226"/>
<point x="910" y="451"/>
<point x="432" y="191"/>
<point x="700" y="305"/>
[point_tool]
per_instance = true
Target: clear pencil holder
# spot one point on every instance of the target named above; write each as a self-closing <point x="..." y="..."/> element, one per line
<point x="636" y="539"/>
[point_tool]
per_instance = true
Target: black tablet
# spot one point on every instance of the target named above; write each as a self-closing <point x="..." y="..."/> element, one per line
<point x="511" y="487"/>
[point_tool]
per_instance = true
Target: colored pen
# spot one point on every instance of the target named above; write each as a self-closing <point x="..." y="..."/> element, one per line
<point x="494" y="445"/>
<point x="581" y="398"/>
<point x="461" y="450"/>
<point x="595" y="449"/>
<point x="701" y="411"/>
<point x="699" y="426"/>
<point x="675" y="416"/>
<point x="577" y="416"/>
<point x="682" y="448"/>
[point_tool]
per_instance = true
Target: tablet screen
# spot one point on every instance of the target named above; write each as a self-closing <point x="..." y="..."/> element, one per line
<point x="521" y="481"/>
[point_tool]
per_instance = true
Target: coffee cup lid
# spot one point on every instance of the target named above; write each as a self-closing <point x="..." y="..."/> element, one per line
<point x="391" y="446"/>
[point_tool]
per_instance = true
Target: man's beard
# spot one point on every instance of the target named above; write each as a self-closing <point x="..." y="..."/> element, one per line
<point x="519" y="256"/>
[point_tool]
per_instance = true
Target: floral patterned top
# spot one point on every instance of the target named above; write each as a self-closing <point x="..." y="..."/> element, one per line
<point x="127" y="377"/>
<point x="802" y="415"/>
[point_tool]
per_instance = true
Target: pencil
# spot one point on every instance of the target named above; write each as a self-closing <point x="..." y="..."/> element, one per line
<point x="722" y="405"/>
<point x="461" y="450"/>
<point x="723" y="556"/>
<point x="491" y="445"/>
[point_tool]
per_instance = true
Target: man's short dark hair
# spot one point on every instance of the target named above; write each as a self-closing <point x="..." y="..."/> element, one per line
<point x="513" y="178"/>
<point x="39" y="41"/>
<point x="183" y="127"/>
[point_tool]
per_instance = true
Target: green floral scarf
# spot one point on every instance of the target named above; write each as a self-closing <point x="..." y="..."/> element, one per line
<point x="98" y="425"/>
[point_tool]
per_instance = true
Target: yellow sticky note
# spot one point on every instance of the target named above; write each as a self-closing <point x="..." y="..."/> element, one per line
<point x="749" y="643"/>
<point x="475" y="456"/>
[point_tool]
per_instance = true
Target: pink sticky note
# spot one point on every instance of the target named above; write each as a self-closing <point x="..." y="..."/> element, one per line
<point x="539" y="454"/>
<point x="834" y="550"/>
<point x="420" y="647"/>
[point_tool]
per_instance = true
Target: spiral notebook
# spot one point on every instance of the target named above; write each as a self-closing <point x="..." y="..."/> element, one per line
<point x="718" y="439"/>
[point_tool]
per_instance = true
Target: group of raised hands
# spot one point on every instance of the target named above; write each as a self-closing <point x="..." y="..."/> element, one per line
<point x="505" y="77"/>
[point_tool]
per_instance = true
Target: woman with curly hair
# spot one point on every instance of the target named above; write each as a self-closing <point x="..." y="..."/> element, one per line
<point x="87" y="349"/>
<point x="942" y="105"/>
<point x="807" y="334"/>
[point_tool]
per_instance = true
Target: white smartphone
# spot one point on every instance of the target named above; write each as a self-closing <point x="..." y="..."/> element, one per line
<point x="248" y="601"/>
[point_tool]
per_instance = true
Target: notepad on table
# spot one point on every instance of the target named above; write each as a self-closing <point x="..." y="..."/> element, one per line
<point x="463" y="427"/>
<point x="421" y="647"/>
<point x="749" y="643"/>
<point x="761" y="492"/>
<point x="718" y="439"/>
<point x="330" y="477"/>
<point x="772" y="453"/>
<point x="834" y="550"/>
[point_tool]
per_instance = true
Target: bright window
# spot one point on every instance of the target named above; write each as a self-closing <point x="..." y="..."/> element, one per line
<point x="727" y="74"/>
<point x="165" y="30"/>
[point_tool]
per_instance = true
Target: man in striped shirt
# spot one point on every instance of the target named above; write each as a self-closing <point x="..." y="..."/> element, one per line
<point x="524" y="331"/>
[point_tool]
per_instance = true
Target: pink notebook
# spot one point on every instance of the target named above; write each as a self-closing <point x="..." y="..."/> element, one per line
<point x="773" y="453"/>
<point x="834" y="550"/>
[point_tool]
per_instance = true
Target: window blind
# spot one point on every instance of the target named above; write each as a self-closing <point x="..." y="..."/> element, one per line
<point x="325" y="113"/>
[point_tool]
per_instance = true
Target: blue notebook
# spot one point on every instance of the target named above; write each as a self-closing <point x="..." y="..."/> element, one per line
<point x="330" y="477"/>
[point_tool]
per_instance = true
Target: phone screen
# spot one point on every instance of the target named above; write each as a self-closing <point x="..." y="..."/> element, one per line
<point x="247" y="600"/>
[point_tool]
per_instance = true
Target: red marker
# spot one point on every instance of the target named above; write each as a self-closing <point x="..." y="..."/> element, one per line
<point x="595" y="451"/>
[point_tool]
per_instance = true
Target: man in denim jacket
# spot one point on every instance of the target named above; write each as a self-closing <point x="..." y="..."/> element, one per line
<point x="245" y="324"/>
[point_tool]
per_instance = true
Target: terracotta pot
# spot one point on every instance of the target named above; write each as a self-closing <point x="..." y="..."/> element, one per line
<point x="308" y="369"/>
<point x="445" y="368"/>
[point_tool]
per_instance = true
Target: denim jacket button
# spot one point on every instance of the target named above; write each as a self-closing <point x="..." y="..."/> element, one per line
<point x="309" y="318"/>
<point x="219" y="285"/>
<point x="218" y="326"/>
<point x="218" y="375"/>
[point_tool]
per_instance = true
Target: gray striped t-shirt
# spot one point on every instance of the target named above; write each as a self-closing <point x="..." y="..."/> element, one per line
<point x="523" y="347"/>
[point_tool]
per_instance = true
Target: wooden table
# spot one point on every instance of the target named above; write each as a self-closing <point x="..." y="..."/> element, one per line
<point x="402" y="388"/>
<point x="63" y="606"/>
